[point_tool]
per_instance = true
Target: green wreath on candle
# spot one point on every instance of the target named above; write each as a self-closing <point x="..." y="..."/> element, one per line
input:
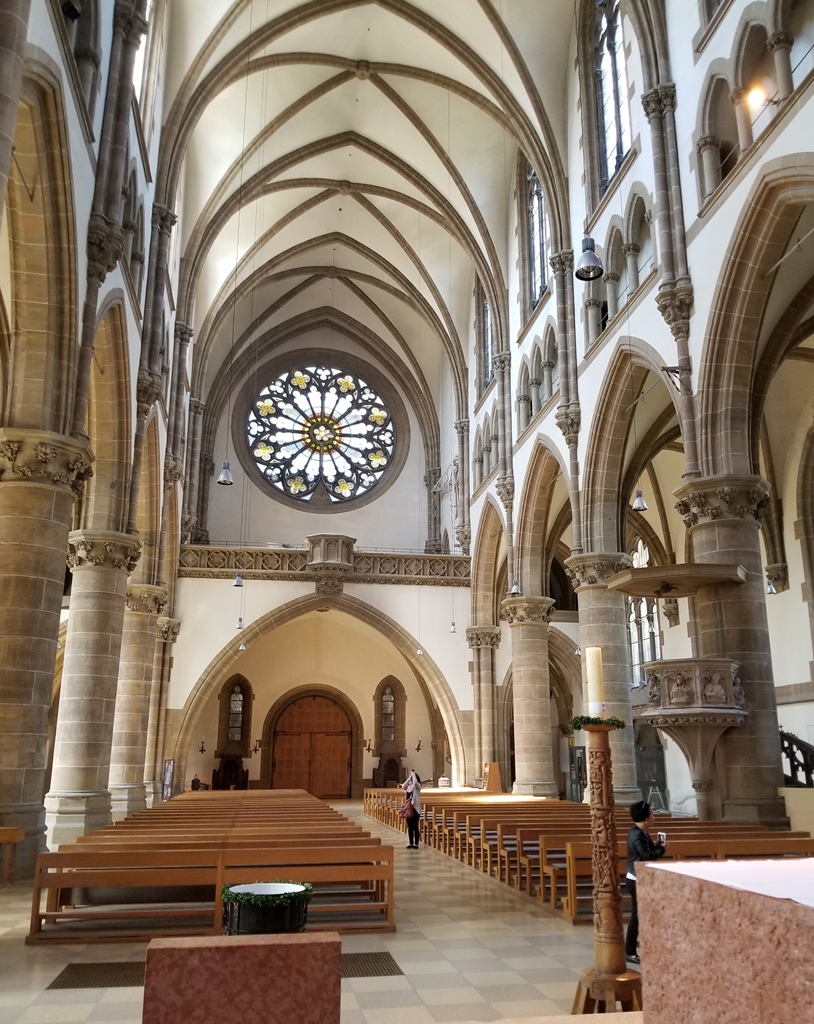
<point x="612" y="720"/>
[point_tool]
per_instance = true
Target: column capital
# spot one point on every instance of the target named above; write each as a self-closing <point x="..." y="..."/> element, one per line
<point x="590" y="570"/>
<point x="611" y="276"/>
<point x="196" y="406"/>
<point x="653" y="104"/>
<point x="592" y="303"/>
<point x="707" y="142"/>
<point x="163" y="218"/>
<point x="501" y="361"/>
<point x="144" y="597"/>
<point x="780" y="41"/>
<point x="463" y="534"/>
<point x="562" y="262"/>
<point x="667" y="95"/>
<point x="462" y="427"/>
<point x="738" y="96"/>
<point x="167" y="629"/>
<point x="631" y="248"/>
<point x="675" y="307"/>
<point x="505" y="491"/>
<point x="728" y="496"/>
<point x="148" y="391"/>
<point x="483" y="636"/>
<point x="103" y="549"/>
<point x="520" y="611"/>
<point x="183" y="332"/>
<point x="569" y="422"/>
<point x="41" y="457"/>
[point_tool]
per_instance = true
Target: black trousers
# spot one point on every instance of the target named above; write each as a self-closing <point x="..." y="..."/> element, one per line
<point x="632" y="938"/>
<point x="412" y="828"/>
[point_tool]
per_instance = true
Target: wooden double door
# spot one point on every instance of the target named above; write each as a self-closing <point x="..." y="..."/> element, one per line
<point x="312" y="748"/>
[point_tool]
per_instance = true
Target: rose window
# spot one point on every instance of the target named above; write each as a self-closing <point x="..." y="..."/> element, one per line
<point x="318" y="428"/>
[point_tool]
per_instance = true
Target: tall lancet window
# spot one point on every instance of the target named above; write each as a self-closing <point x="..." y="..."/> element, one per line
<point x="613" y="113"/>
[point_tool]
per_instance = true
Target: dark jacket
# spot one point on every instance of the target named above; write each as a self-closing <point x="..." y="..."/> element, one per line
<point x="641" y="847"/>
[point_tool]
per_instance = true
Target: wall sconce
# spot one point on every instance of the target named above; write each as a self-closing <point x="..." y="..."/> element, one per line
<point x="202" y="748"/>
<point x="369" y="747"/>
<point x="256" y="747"/>
<point x="418" y="745"/>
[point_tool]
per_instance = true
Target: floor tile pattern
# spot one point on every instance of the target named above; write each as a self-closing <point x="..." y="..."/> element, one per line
<point x="470" y="950"/>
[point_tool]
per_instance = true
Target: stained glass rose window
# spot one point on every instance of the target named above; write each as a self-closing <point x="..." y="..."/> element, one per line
<point x="317" y="427"/>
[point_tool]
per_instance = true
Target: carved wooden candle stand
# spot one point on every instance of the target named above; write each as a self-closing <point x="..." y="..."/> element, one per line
<point x="608" y="982"/>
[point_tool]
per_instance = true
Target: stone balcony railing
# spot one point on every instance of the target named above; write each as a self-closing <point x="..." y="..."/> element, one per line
<point x="201" y="561"/>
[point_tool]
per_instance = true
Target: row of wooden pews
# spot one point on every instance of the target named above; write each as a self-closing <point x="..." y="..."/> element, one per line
<point x="543" y="847"/>
<point x="161" y="872"/>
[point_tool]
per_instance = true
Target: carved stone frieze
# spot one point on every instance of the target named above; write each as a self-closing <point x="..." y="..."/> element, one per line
<point x="42" y="457"/>
<point x="594" y="569"/>
<point x="483" y="636"/>
<point x="167" y="629"/>
<point x="146" y="598"/>
<point x="329" y="583"/>
<point x="727" y="497"/>
<point x="694" y="691"/>
<point x="103" y="549"/>
<point x="523" y="610"/>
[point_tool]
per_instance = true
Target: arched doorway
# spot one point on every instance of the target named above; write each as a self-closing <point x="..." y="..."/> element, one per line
<point x="312" y="748"/>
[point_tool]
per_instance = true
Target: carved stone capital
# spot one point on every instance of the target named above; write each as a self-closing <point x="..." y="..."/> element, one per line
<point x="501" y="361"/>
<point x="569" y="422"/>
<point x="631" y="248"/>
<point x="463" y="534"/>
<point x="723" y="497"/>
<point x="40" y="457"/>
<point x="707" y="142"/>
<point x="594" y="569"/>
<point x="612" y="277"/>
<point x="189" y="521"/>
<point x="143" y="597"/>
<point x="667" y="95"/>
<point x="483" y="636"/>
<point x="669" y="607"/>
<point x="675" y="307"/>
<point x="592" y="303"/>
<point x="462" y="428"/>
<point x="738" y="96"/>
<point x="207" y="464"/>
<point x="162" y="218"/>
<point x="505" y="491"/>
<point x="702" y="785"/>
<point x="148" y="391"/>
<point x="167" y="629"/>
<point x="105" y="245"/>
<point x="520" y="611"/>
<point x="103" y="549"/>
<point x="778" y="573"/>
<point x="432" y="476"/>
<point x="780" y="41"/>
<point x="183" y="332"/>
<point x="196" y="406"/>
<point x="562" y="263"/>
<point x="173" y="470"/>
<point x="652" y="104"/>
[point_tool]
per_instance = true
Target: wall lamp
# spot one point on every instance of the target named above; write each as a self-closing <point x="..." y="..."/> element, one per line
<point x="202" y="748"/>
<point x="369" y="747"/>
<point x="418" y="745"/>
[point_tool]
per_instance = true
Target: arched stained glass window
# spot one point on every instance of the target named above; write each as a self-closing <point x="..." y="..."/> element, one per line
<point x="613" y="116"/>
<point x="235" y="728"/>
<point x="388" y="714"/>
<point x="536" y="239"/>
<point x="321" y="428"/>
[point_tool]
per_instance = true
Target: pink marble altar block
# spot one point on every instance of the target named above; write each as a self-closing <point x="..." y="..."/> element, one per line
<point x="715" y="954"/>
<point x="244" y="979"/>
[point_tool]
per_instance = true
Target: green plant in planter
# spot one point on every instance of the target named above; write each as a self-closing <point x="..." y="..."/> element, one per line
<point x="266" y="907"/>
<point x="580" y="720"/>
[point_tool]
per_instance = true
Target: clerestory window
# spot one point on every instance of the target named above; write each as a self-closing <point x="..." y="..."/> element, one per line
<point x="612" y="111"/>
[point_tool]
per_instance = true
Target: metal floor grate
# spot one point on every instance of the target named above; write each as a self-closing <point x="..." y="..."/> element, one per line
<point x="127" y="974"/>
<point x="105" y="975"/>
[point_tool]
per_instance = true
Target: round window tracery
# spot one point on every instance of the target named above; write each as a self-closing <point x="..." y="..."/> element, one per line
<point x="318" y="427"/>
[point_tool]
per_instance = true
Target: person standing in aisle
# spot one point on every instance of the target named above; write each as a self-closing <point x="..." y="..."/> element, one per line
<point x="639" y="847"/>
<point x="412" y="787"/>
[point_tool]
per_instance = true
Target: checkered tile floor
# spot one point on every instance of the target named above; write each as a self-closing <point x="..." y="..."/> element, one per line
<point x="469" y="950"/>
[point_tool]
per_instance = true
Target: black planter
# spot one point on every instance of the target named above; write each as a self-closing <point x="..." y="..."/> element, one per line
<point x="273" y="917"/>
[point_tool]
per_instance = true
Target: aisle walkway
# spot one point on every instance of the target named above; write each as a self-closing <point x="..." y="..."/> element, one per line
<point x="470" y="950"/>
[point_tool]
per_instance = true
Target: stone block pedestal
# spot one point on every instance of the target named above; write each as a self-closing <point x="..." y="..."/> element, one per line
<point x="254" y="979"/>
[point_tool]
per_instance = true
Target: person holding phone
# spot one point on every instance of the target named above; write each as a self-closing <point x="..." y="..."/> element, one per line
<point x="640" y="846"/>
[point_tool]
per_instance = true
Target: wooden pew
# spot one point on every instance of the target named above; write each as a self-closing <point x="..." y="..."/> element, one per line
<point x="354" y="881"/>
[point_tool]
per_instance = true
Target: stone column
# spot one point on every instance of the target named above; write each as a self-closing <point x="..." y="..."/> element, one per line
<point x="535" y="383"/>
<point x="612" y="293"/>
<point x="143" y="605"/>
<point x="593" y="317"/>
<point x="723" y="517"/>
<point x="483" y="640"/>
<point x="433" y="542"/>
<point x="40" y="475"/>
<point x="708" y="149"/>
<point x="13" y="31"/>
<point x="193" y="470"/>
<point x="631" y="251"/>
<point x="603" y="623"/>
<point x="463" y="529"/>
<point x="167" y="630"/>
<point x="79" y="800"/>
<point x="780" y="48"/>
<point x="531" y="693"/>
<point x="743" y="119"/>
